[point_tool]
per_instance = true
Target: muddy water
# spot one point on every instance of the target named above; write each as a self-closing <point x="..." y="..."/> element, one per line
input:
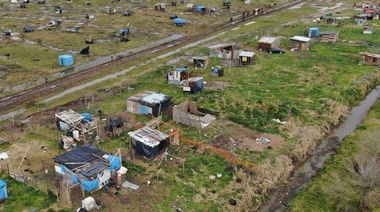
<point x="279" y="200"/>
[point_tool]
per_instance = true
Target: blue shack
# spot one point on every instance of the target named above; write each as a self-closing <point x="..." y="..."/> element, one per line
<point x="65" y="60"/>
<point x="179" y="21"/>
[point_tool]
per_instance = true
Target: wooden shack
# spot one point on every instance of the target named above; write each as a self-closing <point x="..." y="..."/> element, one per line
<point x="329" y="36"/>
<point x="226" y="51"/>
<point x="370" y="58"/>
<point x="246" y="58"/>
<point x="266" y="43"/>
<point x="300" y="43"/>
<point x="148" y="102"/>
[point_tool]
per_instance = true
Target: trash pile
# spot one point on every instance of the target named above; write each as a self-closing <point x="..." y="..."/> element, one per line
<point x="262" y="140"/>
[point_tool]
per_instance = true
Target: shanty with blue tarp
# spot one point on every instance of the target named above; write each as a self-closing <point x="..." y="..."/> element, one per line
<point x="79" y="126"/>
<point x="149" y="103"/>
<point x="177" y="75"/>
<point x="87" y="165"/>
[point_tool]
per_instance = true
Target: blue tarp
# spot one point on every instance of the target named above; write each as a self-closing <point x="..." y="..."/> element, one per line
<point x="200" y="8"/>
<point x="313" y="32"/>
<point x="3" y="190"/>
<point x="90" y="185"/>
<point x="144" y="109"/>
<point x="75" y="179"/>
<point x="179" y="21"/>
<point x="181" y="69"/>
<point x="87" y="116"/>
<point x="63" y="169"/>
<point x="115" y="162"/>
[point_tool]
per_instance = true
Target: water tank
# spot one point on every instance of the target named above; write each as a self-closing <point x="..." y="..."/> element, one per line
<point x="65" y="60"/>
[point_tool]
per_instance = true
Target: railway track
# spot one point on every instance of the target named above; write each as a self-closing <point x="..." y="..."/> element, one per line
<point x="19" y="99"/>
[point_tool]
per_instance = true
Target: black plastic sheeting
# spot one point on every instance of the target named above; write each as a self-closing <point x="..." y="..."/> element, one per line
<point x="79" y="156"/>
<point x="148" y="151"/>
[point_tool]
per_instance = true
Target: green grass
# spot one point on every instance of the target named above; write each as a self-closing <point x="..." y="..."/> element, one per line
<point x="22" y="197"/>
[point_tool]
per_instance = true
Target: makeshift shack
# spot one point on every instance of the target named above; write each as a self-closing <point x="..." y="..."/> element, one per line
<point x="246" y="58"/>
<point x="330" y="20"/>
<point x="3" y="192"/>
<point x="329" y="36"/>
<point x="76" y="125"/>
<point x="148" y="142"/>
<point x="115" y="126"/>
<point x="217" y="71"/>
<point x="201" y="62"/>
<point x="193" y="85"/>
<point x="65" y="60"/>
<point x="177" y="76"/>
<point x="300" y="43"/>
<point x="370" y="58"/>
<point x="27" y="29"/>
<point x="227" y="4"/>
<point x="187" y="113"/>
<point x="266" y="43"/>
<point x="179" y="21"/>
<point x="148" y="102"/>
<point x="313" y="32"/>
<point x="226" y="51"/>
<point x="90" y="16"/>
<point x="160" y="7"/>
<point x="367" y="30"/>
<point x="367" y="4"/>
<point x="109" y="10"/>
<point x="371" y="13"/>
<point x="361" y="18"/>
<point x="88" y="166"/>
<point x="127" y="13"/>
<point x="7" y="33"/>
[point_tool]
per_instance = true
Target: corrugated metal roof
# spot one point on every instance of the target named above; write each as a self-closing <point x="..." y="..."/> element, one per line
<point x="219" y="46"/>
<point x="246" y="54"/>
<point x="155" y="98"/>
<point x="149" y="97"/>
<point x="300" y="38"/>
<point x="148" y="136"/>
<point x="267" y="39"/>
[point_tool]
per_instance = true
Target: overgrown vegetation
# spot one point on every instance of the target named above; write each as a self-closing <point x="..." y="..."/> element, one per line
<point x="351" y="179"/>
<point x="22" y="197"/>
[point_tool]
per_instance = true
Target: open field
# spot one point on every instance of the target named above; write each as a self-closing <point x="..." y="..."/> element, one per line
<point x="34" y="55"/>
<point x="312" y="91"/>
